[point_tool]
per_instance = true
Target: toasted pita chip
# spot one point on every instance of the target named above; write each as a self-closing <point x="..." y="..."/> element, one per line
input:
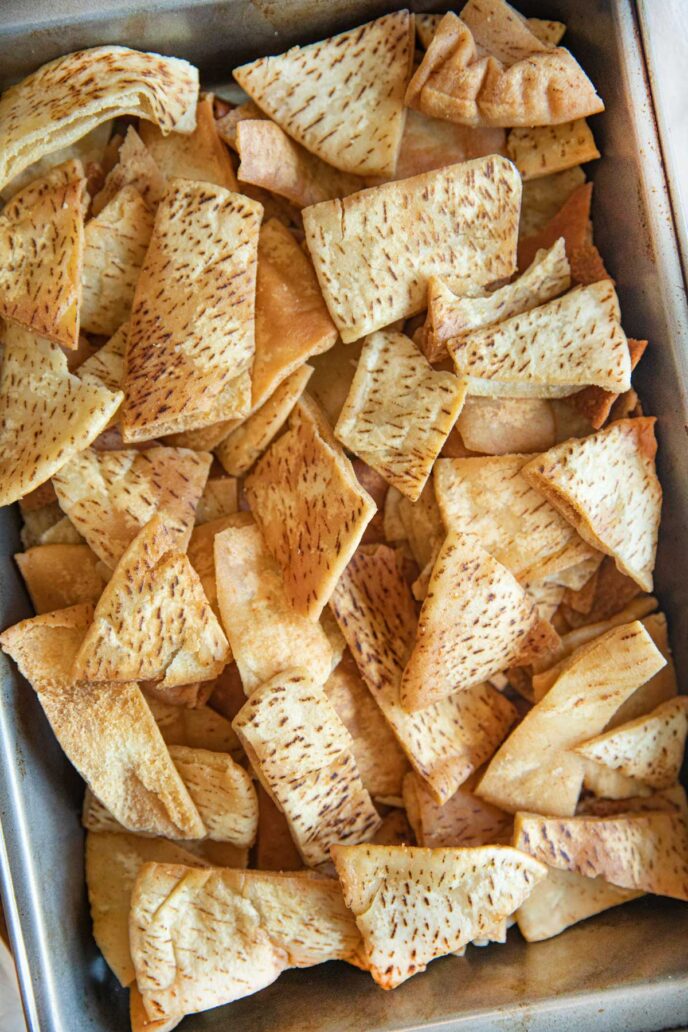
<point x="368" y="67"/>
<point x="644" y="851"/>
<point x="474" y="622"/>
<point x="607" y="487"/>
<point x="89" y="150"/>
<point x="138" y="1016"/>
<point x="595" y="403"/>
<point x="430" y="143"/>
<point x="107" y="363"/>
<point x="670" y="800"/>
<point x="413" y="905"/>
<point x="194" y="694"/>
<point x="375" y="251"/>
<point x="536" y="767"/>
<point x="135" y="167"/>
<point x="191" y="337"/>
<point x="571" y="221"/>
<point x="447" y="742"/>
<point x="200" y="155"/>
<point x="395" y="830"/>
<point x="110" y="496"/>
<point x="61" y="533"/>
<point x="549" y="32"/>
<point x="542" y="198"/>
<point x="39" y="498"/>
<point x="170" y="635"/>
<point x="611" y="784"/>
<point x="426" y="27"/>
<point x="58" y="576"/>
<point x="464" y="820"/>
<point x="219" y="499"/>
<point x="333" y="374"/>
<point x="275" y="849"/>
<point x="227" y="124"/>
<point x="222" y="791"/>
<point x="266" y="634"/>
<point x="303" y="756"/>
<point x="399" y="411"/>
<point x="201" y="553"/>
<point x="38" y="392"/>
<point x="107" y="732"/>
<point x="563" y="899"/>
<point x="200" y="728"/>
<point x="200" y="938"/>
<point x="499" y="426"/>
<point x="546" y="150"/>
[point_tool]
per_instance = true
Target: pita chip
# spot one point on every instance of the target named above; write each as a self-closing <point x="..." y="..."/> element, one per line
<point x="199" y="728"/>
<point x="107" y="363"/>
<point x="546" y="31"/>
<point x="138" y="1016"/>
<point x="399" y="411"/>
<point x="58" y="576"/>
<point x="607" y="487"/>
<point x="303" y="756"/>
<point x="395" y="830"/>
<point x="563" y="899"/>
<point x="499" y="426"/>
<point x="219" y="499"/>
<point x="106" y="731"/>
<point x="548" y="149"/>
<point x="135" y="167"/>
<point x="170" y="636"/>
<point x="430" y="143"/>
<point x="89" y="150"/>
<point x="222" y="791"/>
<point x="464" y="820"/>
<point x="227" y="123"/>
<point x="275" y="849"/>
<point x="571" y="221"/>
<point x="426" y="26"/>
<point x="542" y="198"/>
<point x="355" y="123"/>
<point x="412" y="905"/>
<point x="658" y="689"/>
<point x="191" y="337"/>
<point x="375" y="251"/>
<point x="110" y="496"/>
<point x="201" y="552"/>
<point x="200" y="155"/>
<point x="596" y="404"/>
<point x="536" y="768"/>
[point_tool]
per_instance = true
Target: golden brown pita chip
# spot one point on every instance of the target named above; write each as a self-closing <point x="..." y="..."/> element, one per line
<point x="426" y="26"/>
<point x="89" y="150"/>
<point x="110" y="496"/>
<point x="564" y="898"/>
<point x="429" y="143"/>
<point x="201" y="552"/>
<point x="58" y="576"/>
<point x="670" y="800"/>
<point x="548" y="149"/>
<point x="607" y="487"/>
<point x="228" y="122"/>
<point x="546" y="31"/>
<point x="595" y="403"/>
<point x="107" y="731"/>
<point x="135" y="167"/>
<point x="39" y="498"/>
<point x="375" y="251"/>
<point x="367" y="67"/>
<point x="199" y="155"/>
<point x="222" y="791"/>
<point x="169" y="635"/>
<point x="107" y="363"/>
<point x="275" y="849"/>
<point x="200" y="728"/>
<point x="395" y="830"/>
<point x="49" y="415"/>
<point x="571" y="221"/>
<point x="542" y="198"/>
<point x="191" y="336"/>
<point x="464" y="820"/>
<point x="413" y="905"/>
<point x="219" y="499"/>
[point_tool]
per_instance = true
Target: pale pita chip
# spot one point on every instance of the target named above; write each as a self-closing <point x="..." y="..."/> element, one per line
<point x="106" y="731"/>
<point x="659" y="688"/>
<point x="413" y="905"/>
<point x="611" y="784"/>
<point x="89" y="150"/>
<point x="542" y="198"/>
<point x="535" y="768"/>
<point x="571" y="221"/>
<point x="564" y="898"/>
<point x="169" y="634"/>
<point x="201" y="552"/>
<point x="222" y="791"/>
<point x="200" y="728"/>
<point x="110" y="496"/>
<point x="191" y="336"/>
<point x="375" y="251"/>
<point x="548" y="149"/>
<point x="303" y="756"/>
<point x="275" y="849"/>
<point x="107" y="363"/>
<point x="219" y="499"/>
<point x="115" y="245"/>
<point x="644" y="851"/>
<point x="607" y="487"/>
<point x="355" y="123"/>
<point x="135" y="167"/>
<point x="309" y="506"/>
<point x="49" y="414"/>
<point x="200" y="155"/>
<point x="58" y="576"/>
<point x="464" y="820"/>
<point x="596" y="404"/>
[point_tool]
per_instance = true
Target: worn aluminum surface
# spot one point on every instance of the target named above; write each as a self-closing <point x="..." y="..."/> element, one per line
<point x="624" y="970"/>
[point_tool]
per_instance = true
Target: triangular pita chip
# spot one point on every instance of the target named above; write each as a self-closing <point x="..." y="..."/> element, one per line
<point x="546" y="31"/>
<point x="535" y="768"/>
<point x="607" y="487"/>
<point x="430" y="143"/>
<point x="58" y="576"/>
<point x="375" y="251"/>
<point x="135" y="167"/>
<point x="110" y="496"/>
<point x="342" y="98"/>
<point x="332" y="378"/>
<point x="309" y="506"/>
<point x="107" y="731"/>
<point x="191" y="333"/>
<point x="219" y="499"/>
<point x="199" y="155"/>
<point x="464" y="820"/>
<point x="542" y="198"/>
<point x="547" y="149"/>
<point x="595" y="403"/>
<point x="275" y="849"/>
<point x="413" y="905"/>
<point x="200" y="728"/>
<point x="571" y="221"/>
<point x="562" y="899"/>
<point x="70" y="96"/>
<point x="222" y="791"/>
<point x="153" y="622"/>
<point x="49" y="415"/>
<point x="399" y="411"/>
<point x="107" y="363"/>
<point x="303" y="756"/>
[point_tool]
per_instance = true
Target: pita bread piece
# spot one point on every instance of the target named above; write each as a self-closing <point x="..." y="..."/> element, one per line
<point x="430" y="143"/>
<point x="110" y="496"/>
<point x="303" y="755"/>
<point x="153" y="622"/>
<point x="200" y="155"/>
<point x="399" y="411"/>
<point x="49" y="415"/>
<point x="542" y="198"/>
<point x="275" y="849"/>
<point x="546" y="31"/>
<point x="227" y="123"/>
<point x="222" y="791"/>
<point x="563" y="899"/>
<point x="536" y="768"/>
<point x="107" y="363"/>
<point x="607" y="487"/>
<point x="58" y="576"/>
<point x="90" y="150"/>
<point x="138" y="1016"/>
<point x="595" y="403"/>
<point x="355" y="122"/>
<point x="545" y="150"/>
<point x="464" y="820"/>
<point x="106" y="731"/>
<point x="572" y="222"/>
<point x="191" y="336"/>
<point x="499" y="426"/>
<point x="219" y="499"/>
<point x="412" y="905"/>
<point x="199" y="728"/>
<point x="135" y="167"/>
<point x="375" y="251"/>
<point x="201" y="553"/>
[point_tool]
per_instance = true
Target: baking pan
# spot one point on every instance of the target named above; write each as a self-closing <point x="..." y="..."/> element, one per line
<point x="624" y="971"/>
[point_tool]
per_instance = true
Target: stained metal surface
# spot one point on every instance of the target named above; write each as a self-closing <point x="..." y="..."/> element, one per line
<point x="624" y="971"/>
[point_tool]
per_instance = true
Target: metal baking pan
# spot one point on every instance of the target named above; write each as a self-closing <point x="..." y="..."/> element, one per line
<point x="626" y="970"/>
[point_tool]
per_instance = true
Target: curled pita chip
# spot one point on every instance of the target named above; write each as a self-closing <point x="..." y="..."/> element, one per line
<point x="643" y="851"/>
<point x="607" y="487"/>
<point x="135" y="167"/>
<point x="222" y="791"/>
<point x="542" y="198"/>
<point x="430" y="143"/>
<point x="170" y="635"/>
<point x="536" y="767"/>
<point x="375" y="251"/>
<point x="70" y="96"/>
<point x="107" y="363"/>
<point x="447" y="742"/>
<point x="107" y="732"/>
<point x="368" y="66"/>
<point x="58" y="576"/>
<point x="110" y="496"/>
<point x="546" y="31"/>
<point x="199" y="155"/>
<point x="38" y="392"/>
<point x="545" y="150"/>
<point x="564" y="898"/>
<point x="412" y="905"/>
<point x="399" y="411"/>
<point x="464" y="820"/>
<point x="303" y="756"/>
<point x="200" y="728"/>
<point x="219" y="499"/>
<point x="191" y="336"/>
<point x="275" y="849"/>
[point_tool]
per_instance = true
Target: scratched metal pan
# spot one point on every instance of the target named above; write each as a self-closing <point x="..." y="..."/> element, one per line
<point x="625" y="971"/>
